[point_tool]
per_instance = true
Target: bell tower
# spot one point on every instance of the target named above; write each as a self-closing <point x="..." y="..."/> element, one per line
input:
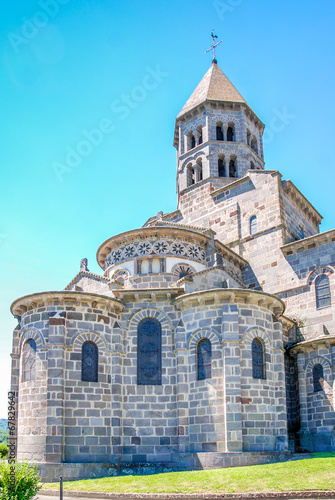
<point x="217" y="134"/>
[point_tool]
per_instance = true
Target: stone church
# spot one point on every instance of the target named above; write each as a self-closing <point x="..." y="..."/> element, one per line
<point x="208" y="340"/>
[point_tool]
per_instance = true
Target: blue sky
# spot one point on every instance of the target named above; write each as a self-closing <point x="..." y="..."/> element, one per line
<point x="67" y="68"/>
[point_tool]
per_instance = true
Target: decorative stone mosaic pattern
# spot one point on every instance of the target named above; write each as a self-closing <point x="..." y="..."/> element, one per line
<point x="151" y="247"/>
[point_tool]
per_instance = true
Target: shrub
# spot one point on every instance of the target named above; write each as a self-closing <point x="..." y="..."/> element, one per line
<point x="18" y="481"/>
<point x="3" y="450"/>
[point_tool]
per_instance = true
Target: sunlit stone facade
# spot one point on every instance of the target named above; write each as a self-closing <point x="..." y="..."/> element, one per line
<point x="208" y="339"/>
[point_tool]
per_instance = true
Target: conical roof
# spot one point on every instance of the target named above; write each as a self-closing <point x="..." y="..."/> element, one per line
<point x="214" y="86"/>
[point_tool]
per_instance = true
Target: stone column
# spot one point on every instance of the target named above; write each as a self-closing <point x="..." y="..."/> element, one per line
<point x="332" y="350"/>
<point x="182" y="389"/>
<point x="115" y="378"/>
<point x="224" y="131"/>
<point x="232" y="378"/>
<point x="55" y="390"/>
<point x="302" y="390"/>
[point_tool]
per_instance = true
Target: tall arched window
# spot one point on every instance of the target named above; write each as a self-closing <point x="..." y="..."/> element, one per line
<point x="232" y="167"/>
<point x="317" y="378"/>
<point x="322" y="291"/>
<point x="29" y="360"/>
<point x="219" y="132"/>
<point x="204" y="355"/>
<point x="198" y="170"/>
<point x="253" y="145"/>
<point x="190" y="140"/>
<point x="258" y="365"/>
<point x="230" y="132"/>
<point x="149" y="352"/>
<point x="89" y="362"/>
<point x="253" y="224"/>
<point x="221" y="167"/>
<point x="190" y="175"/>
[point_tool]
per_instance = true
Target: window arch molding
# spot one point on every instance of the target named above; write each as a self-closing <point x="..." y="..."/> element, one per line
<point x="77" y="340"/>
<point x="180" y="266"/>
<point x="150" y="312"/>
<point x="36" y="335"/>
<point x="211" y="334"/>
<point x="327" y="270"/>
<point x="192" y="159"/>
<point x="327" y="373"/>
<point x="256" y="331"/>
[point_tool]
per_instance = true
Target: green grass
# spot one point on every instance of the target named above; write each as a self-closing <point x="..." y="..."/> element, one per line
<point x="317" y="473"/>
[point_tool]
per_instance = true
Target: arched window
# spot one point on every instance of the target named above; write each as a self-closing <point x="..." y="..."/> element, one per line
<point x="252" y="165"/>
<point x="221" y="167"/>
<point x="29" y="360"/>
<point x="258" y="365"/>
<point x="190" y="140"/>
<point x="230" y="132"/>
<point x="317" y="377"/>
<point x="253" y="145"/>
<point x="190" y="175"/>
<point x="89" y="362"/>
<point x="198" y="170"/>
<point x="248" y="137"/>
<point x="204" y="354"/>
<point x="253" y="224"/>
<point x="149" y="352"/>
<point x="322" y="291"/>
<point x="219" y="132"/>
<point x="232" y="167"/>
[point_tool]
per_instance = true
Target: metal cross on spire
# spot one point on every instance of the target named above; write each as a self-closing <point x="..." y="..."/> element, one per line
<point x="213" y="46"/>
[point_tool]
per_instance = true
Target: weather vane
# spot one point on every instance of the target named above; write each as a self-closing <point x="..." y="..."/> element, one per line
<point x="213" y="46"/>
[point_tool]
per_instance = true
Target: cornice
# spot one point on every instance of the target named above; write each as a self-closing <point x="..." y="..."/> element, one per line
<point x="232" y="295"/>
<point x="47" y="299"/>
<point x="136" y="294"/>
<point x="145" y="232"/>
<point x="303" y="244"/>
<point x="299" y="199"/>
<point x="328" y="340"/>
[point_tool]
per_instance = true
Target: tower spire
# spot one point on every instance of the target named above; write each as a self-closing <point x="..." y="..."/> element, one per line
<point x="213" y="46"/>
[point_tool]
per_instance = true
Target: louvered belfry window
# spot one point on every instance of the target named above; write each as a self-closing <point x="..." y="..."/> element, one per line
<point x="317" y="377"/>
<point x="149" y="352"/>
<point x="258" y="368"/>
<point x="89" y="362"/>
<point x="204" y="354"/>
<point x="322" y="291"/>
<point x="29" y="360"/>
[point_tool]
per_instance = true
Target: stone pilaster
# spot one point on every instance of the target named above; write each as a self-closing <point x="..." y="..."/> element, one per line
<point x="55" y="389"/>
